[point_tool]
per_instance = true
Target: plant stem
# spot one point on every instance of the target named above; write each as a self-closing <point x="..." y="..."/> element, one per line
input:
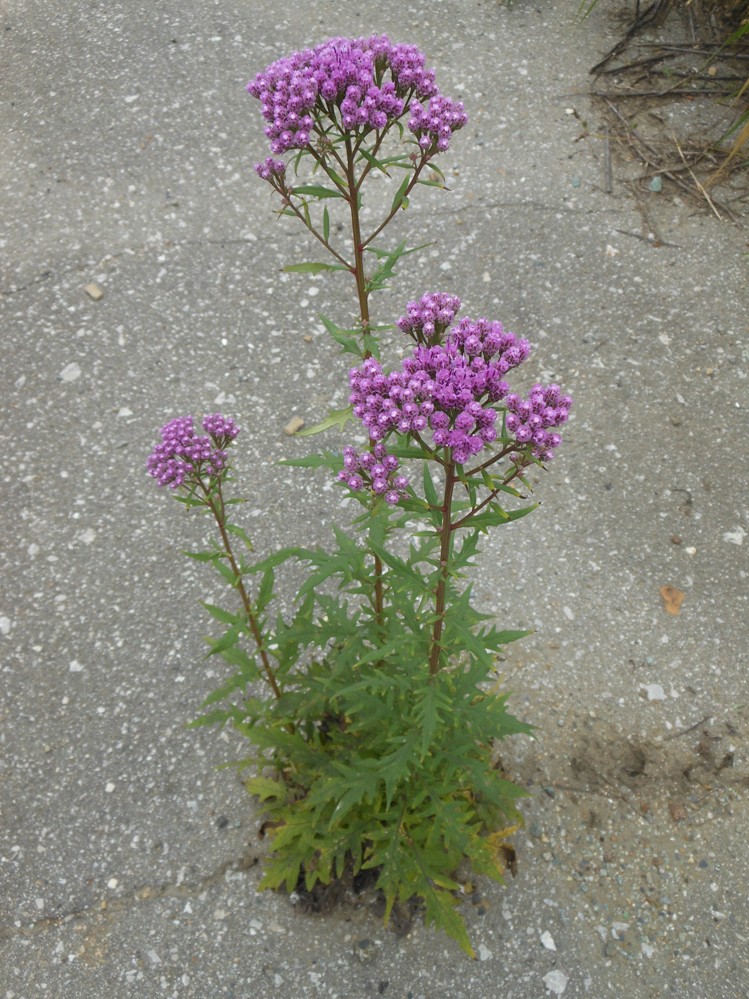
<point x="492" y="495"/>
<point x="363" y="296"/>
<point x="216" y="506"/>
<point x="359" y="275"/>
<point x="441" y="591"/>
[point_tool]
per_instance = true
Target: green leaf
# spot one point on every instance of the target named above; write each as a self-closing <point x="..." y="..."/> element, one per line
<point x="265" y="593"/>
<point x="337" y="418"/>
<point x="203" y="556"/>
<point x="316" y="191"/>
<point x="239" y="532"/>
<point x="226" y="571"/>
<point x="505" y="637"/>
<point x="400" y="196"/>
<point x="328" y="459"/>
<point x="227" y="640"/>
<point x="430" y="492"/>
<point x="278" y="558"/>
<point x="352" y="344"/>
<point x="264" y="788"/>
<point x="325" y="224"/>
<point x="225" y="617"/>
<point x="312" y="267"/>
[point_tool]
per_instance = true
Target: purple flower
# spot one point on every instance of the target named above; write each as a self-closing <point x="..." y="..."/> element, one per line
<point x="270" y="168"/>
<point x="452" y="387"/>
<point x="433" y="126"/>
<point x="528" y="419"/>
<point x="375" y="469"/>
<point x="184" y="457"/>
<point x="360" y="83"/>
<point x="427" y="319"/>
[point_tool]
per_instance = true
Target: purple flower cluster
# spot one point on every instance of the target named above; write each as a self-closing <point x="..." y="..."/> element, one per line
<point x="348" y="74"/>
<point x="427" y="319"/>
<point x="183" y="455"/>
<point x="376" y="469"/>
<point x="434" y="126"/>
<point x="451" y="389"/>
<point x="448" y="388"/>
<point x="270" y="168"/>
<point x="530" y="420"/>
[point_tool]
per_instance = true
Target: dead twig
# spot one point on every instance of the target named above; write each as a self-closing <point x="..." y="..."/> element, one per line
<point x="608" y="182"/>
<point x="699" y="186"/>
<point x="686" y="731"/>
<point x="649" y="15"/>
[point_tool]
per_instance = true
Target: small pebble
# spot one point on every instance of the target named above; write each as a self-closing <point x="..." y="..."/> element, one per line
<point x="548" y="940"/>
<point x="294" y="425"/>
<point x="556" y="982"/>
<point x="365" y="950"/>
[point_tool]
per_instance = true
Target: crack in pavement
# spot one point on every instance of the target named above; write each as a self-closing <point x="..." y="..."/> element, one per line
<point x="138" y="896"/>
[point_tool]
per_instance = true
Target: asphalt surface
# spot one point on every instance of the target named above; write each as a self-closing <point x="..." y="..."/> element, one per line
<point x="127" y="860"/>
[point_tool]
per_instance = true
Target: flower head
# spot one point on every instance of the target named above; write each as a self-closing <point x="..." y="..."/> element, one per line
<point x="449" y="387"/>
<point x="530" y="420"/>
<point x="183" y="457"/>
<point x="427" y="319"/>
<point x="376" y="469"/>
<point x="362" y="83"/>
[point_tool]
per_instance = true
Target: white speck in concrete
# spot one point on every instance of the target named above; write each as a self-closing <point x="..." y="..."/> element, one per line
<point x="548" y="940"/>
<point x="735" y="537"/>
<point x="76" y="667"/>
<point x="70" y="372"/>
<point x="484" y="954"/>
<point x="109" y="787"/>
<point x="88" y="536"/>
<point x="5" y="625"/>
<point x="556" y="982"/>
<point x="654" y="691"/>
<point x="647" y="949"/>
<point x="568" y="613"/>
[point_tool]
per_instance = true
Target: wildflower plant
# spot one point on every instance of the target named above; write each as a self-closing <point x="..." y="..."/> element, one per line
<point x="373" y="710"/>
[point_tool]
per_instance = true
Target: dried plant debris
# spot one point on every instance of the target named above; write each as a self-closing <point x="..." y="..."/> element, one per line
<point x="675" y="93"/>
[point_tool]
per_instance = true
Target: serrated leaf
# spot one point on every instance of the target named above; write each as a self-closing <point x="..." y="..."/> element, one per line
<point x="279" y="557"/>
<point x="265" y="788"/>
<point x="227" y="640"/>
<point x="337" y="418"/>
